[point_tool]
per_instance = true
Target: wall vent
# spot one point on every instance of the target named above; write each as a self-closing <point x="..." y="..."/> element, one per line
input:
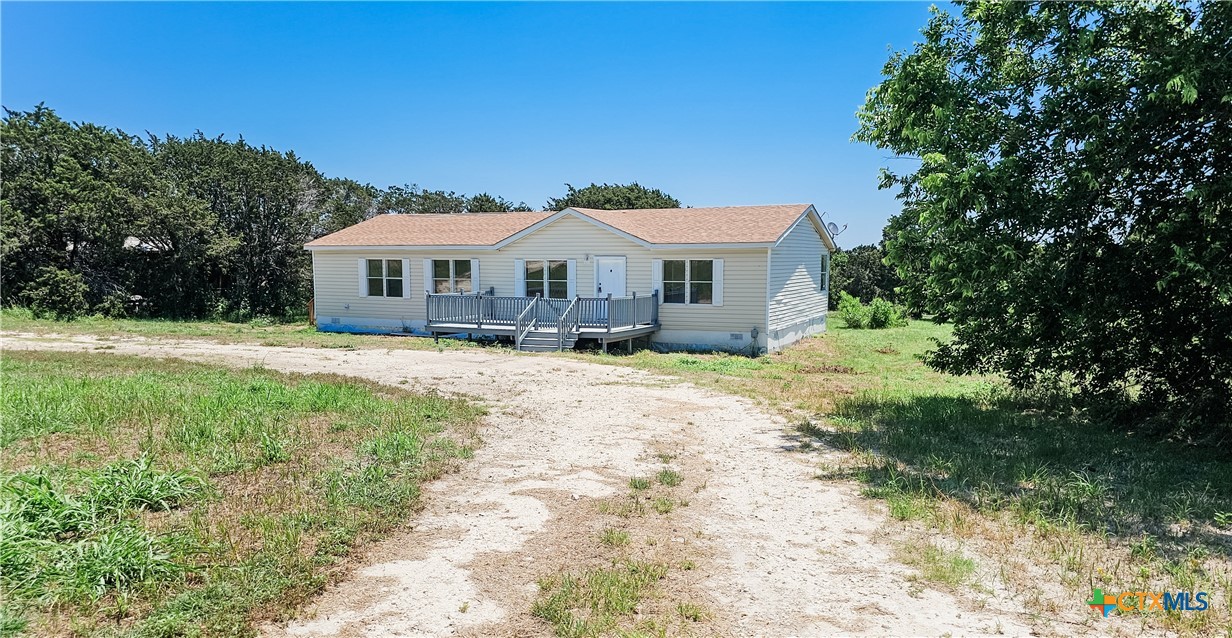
<point x="334" y="320"/>
<point x="737" y="336"/>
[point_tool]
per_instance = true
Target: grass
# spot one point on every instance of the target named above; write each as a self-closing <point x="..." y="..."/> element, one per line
<point x="593" y="602"/>
<point x="613" y="537"/>
<point x="670" y="478"/>
<point x="938" y="565"/>
<point x="260" y="332"/>
<point x="150" y="497"/>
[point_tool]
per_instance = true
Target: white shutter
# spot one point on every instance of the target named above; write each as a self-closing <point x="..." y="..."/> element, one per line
<point x="718" y="282"/>
<point x="572" y="278"/>
<point x="475" y="277"/>
<point x="363" y="278"/>
<point x="428" y="276"/>
<point x="519" y="277"/>
<point x="406" y="278"/>
<point x="656" y="277"/>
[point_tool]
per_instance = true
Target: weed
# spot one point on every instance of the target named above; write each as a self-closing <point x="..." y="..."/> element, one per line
<point x="670" y="478"/>
<point x="691" y="612"/>
<point x="663" y="505"/>
<point x="639" y="483"/>
<point x="613" y="537"/>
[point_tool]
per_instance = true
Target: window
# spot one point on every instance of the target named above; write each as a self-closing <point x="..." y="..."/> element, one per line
<point x="547" y="277"/>
<point x="451" y="275"/>
<point x="825" y="273"/>
<point x="384" y="277"/>
<point x="688" y="281"/>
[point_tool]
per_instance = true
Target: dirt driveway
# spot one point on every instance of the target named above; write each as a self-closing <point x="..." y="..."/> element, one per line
<point x="778" y="552"/>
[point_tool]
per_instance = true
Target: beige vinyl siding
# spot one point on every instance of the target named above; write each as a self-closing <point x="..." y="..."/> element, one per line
<point x="744" y="273"/>
<point x="336" y="285"/>
<point x="795" y="279"/>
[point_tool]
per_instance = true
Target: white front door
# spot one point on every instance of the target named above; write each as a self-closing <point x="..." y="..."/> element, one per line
<point x="610" y="276"/>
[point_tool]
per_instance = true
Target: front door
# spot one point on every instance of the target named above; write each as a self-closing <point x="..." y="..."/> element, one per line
<point x="610" y="276"/>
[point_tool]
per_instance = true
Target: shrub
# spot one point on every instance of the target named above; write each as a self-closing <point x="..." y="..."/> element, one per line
<point x="57" y="293"/>
<point x="852" y="312"/>
<point x="883" y="314"/>
<point x="878" y="314"/>
<point x="115" y="304"/>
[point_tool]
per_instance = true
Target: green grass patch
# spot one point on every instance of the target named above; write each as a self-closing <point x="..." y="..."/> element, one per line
<point x="639" y="483"/>
<point x="183" y="499"/>
<point x="598" y="601"/>
<point x="613" y="537"/>
<point x="937" y="565"/>
<point x="670" y="478"/>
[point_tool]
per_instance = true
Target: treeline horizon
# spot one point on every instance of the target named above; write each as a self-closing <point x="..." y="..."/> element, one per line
<point x="95" y="219"/>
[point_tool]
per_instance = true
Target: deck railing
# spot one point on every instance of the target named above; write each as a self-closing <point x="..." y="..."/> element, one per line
<point x="524" y="323"/>
<point x="526" y="313"/>
<point x="568" y="323"/>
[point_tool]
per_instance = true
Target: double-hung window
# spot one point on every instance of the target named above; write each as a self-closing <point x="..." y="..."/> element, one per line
<point x="384" y="277"/>
<point x="452" y="275"/>
<point x="547" y="277"/>
<point x="688" y="281"/>
<point x="825" y="272"/>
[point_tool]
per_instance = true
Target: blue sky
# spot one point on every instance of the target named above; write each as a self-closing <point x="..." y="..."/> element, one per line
<point x="717" y="104"/>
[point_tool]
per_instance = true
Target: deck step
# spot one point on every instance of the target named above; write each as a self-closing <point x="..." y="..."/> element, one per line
<point x="544" y="341"/>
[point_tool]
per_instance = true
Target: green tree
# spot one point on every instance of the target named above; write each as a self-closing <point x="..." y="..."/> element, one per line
<point x="410" y="199"/>
<point x="264" y="205"/>
<point x="862" y="273"/>
<point x="70" y="196"/>
<point x="485" y="203"/>
<point x="347" y="202"/>
<point x="1070" y="203"/>
<point x="613" y="197"/>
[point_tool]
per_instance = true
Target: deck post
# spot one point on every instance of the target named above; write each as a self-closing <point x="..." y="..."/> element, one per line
<point x="654" y="312"/>
<point x="479" y="319"/>
<point x="609" y="319"/>
<point x="630" y="346"/>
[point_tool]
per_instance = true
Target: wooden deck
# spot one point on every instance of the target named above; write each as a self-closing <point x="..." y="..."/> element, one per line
<point x="539" y="324"/>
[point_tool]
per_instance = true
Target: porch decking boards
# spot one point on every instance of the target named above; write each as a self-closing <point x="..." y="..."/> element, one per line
<point x="607" y="319"/>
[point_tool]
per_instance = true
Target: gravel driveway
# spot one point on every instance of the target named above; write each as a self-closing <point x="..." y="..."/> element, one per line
<point x="778" y="552"/>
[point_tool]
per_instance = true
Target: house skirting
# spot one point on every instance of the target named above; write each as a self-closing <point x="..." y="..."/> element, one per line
<point x="783" y="336"/>
<point x="706" y="341"/>
<point x="368" y="325"/>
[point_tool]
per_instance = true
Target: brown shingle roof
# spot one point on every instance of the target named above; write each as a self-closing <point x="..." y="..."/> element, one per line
<point x="469" y="229"/>
<point x="722" y="225"/>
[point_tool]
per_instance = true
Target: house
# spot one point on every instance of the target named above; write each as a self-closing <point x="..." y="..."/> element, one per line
<point x="741" y="278"/>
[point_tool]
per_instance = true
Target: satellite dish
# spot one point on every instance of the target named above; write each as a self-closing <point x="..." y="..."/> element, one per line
<point x="835" y="231"/>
